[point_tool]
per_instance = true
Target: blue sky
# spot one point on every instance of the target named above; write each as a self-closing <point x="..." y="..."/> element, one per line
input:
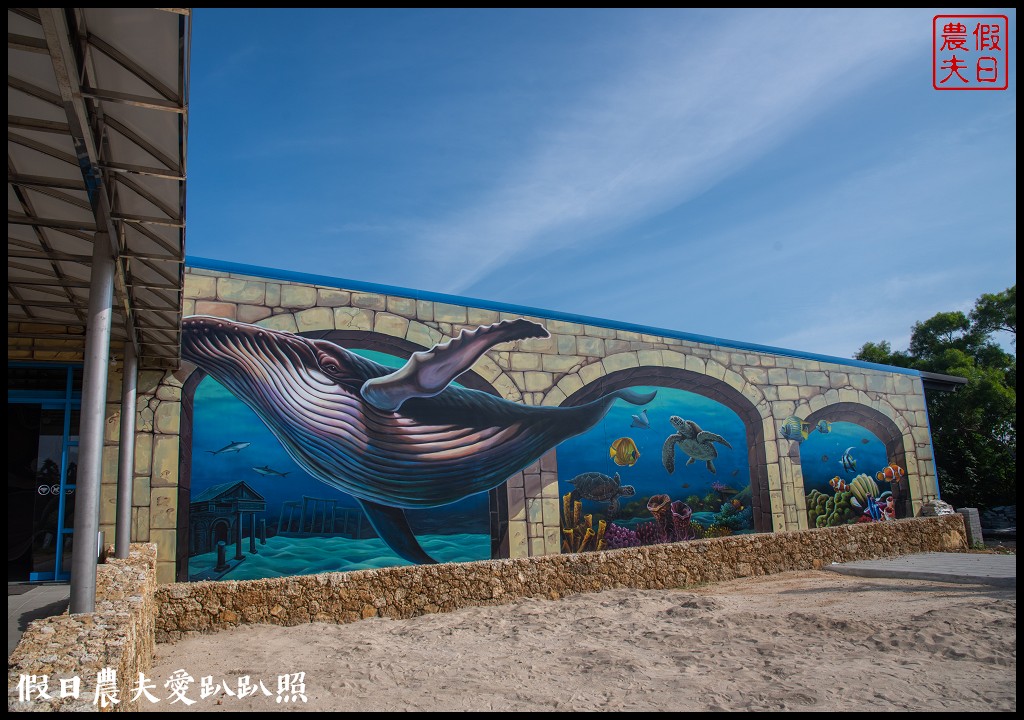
<point x="780" y="177"/>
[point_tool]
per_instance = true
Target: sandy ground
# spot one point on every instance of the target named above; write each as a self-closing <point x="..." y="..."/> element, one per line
<point x="796" y="641"/>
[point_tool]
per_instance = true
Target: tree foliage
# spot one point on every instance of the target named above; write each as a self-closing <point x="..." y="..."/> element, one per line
<point x="974" y="428"/>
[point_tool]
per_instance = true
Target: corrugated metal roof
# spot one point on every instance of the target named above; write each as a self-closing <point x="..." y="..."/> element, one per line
<point x="97" y="103"/>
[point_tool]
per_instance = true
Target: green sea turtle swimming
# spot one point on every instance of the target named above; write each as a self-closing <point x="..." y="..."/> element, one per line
<point x="601" y="488"/>
<point x="693" y="441"/>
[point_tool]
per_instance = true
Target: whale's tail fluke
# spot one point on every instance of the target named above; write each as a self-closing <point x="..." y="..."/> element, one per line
<point x="593" y="412"/>
<point x="633" y="396"/>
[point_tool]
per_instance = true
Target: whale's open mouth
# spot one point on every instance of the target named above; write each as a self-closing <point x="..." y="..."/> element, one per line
<point x="274" y="372"/>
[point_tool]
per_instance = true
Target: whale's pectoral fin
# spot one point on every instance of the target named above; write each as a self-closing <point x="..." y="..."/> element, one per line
<point x="393" y="528"/>
<point x="429" y="372"/>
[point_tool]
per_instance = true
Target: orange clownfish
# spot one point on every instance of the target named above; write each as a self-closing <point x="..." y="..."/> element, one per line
<point x="892" y="473"/>
<point x="838" y="485"/>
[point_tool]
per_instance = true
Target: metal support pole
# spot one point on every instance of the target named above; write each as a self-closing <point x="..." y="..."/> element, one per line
<point x="90" y="434"/>
<point x="126" y="456"/>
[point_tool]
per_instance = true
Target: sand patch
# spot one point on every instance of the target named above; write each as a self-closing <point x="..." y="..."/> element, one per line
<point x="795" y="641"/>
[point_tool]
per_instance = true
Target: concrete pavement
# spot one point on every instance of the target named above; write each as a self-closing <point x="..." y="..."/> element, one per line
<point x="38" y="601"/>
<point x="970" y="568"/>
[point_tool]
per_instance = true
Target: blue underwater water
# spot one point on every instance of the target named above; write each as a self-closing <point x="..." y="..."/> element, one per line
<point x="219" y="418"/>
<point x="589" y="452"/>
<point x="306" y="556"/>
<point x="820" y="455"/>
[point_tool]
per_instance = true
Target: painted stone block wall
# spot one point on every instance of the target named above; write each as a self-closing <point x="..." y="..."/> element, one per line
<point x="155" y="477"/>
<point x="763" y="392"/>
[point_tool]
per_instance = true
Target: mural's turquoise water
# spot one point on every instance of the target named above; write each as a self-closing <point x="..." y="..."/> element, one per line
<point x="694" y="484"/>
<point x="305" y="556"/>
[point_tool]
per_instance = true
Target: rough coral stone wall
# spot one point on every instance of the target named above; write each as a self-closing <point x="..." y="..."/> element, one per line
<point x="120" y="634"/>
<point x="408" y="591"/>
<point x="549" y="371"/>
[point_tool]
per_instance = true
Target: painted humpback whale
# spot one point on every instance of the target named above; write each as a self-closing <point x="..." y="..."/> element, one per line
<point x="393" y="439"/>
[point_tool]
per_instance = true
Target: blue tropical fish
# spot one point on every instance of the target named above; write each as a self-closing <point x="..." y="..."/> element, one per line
<point x="794" y="428"/>
<point x="824" y="427"/>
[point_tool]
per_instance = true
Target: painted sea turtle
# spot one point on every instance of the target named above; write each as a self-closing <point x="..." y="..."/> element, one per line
<point x="693" y="441"/>
<point x="601" y="488"/>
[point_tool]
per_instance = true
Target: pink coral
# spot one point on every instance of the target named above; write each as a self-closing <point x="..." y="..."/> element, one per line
<point x="681" y="528"/>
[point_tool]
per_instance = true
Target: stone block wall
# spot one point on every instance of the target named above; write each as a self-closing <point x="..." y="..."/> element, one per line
<point x="120" y="634"/>
<point x="66" y="345"/>
<point x="157" y="448"/>
<point x="408" y="591"/>
<point x="577" y="362"/>
<point x="579" y="358"/>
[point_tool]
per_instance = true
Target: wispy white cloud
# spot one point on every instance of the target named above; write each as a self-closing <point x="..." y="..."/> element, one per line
<point x="235" y="63"/>
<point x="686" y="113"/>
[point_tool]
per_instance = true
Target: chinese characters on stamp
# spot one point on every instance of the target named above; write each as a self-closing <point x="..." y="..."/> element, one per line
<point x="970" y="52"/>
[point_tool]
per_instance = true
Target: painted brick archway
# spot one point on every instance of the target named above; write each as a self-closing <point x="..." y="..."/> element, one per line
<point x="884" y="428"/>
<point x="712" y="389"/>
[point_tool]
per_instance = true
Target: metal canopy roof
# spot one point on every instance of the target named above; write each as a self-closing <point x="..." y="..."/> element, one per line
<point x="97" y="103"/>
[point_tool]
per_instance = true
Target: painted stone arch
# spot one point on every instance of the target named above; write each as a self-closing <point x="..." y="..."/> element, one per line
<point x="712" y="389"/>
<point x="353" y="340"/>
<point x="884" y="428"/>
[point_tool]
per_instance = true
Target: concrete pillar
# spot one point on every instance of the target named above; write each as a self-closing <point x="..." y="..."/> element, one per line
<point x="126" y="452"/>
<point x="90" y="444"/>
<point x="238" y="539"/>
<point x="972" y="521"/>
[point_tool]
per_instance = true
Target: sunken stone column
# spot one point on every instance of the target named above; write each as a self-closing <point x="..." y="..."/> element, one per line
<point x="238" y="538"/>
<point x="222" y="556"/>
<point x="252" y="533"/>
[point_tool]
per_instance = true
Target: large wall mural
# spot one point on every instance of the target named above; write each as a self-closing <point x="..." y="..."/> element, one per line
<point x="329" y="430"/>
<point x="393" y="440"/>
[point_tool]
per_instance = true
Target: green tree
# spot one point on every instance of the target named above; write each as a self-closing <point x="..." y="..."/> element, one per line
<point x="974" y="428"/>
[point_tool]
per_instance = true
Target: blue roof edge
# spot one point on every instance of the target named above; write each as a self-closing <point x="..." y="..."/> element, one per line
<point x="312" y="279"/>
